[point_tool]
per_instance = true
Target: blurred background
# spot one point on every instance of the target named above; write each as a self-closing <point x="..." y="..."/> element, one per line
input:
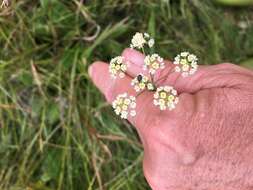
<point x="56" y="131"/>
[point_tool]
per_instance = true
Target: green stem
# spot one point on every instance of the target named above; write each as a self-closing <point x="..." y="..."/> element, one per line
<point x="143" y="51"/>
<point x="139" y="93"/>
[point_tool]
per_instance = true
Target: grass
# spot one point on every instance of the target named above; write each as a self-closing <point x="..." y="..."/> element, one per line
<point x="57" y="132"/>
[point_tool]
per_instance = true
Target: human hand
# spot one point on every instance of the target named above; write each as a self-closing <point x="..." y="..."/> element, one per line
<point x="207" y="141"/>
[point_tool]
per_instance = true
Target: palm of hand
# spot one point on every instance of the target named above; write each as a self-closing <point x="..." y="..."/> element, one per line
<point x="199" y="144"/>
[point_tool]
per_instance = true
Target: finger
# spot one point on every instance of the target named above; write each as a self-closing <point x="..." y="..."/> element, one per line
<point x="240" y="69"/>
<point x="135" y="61"/>
<point x="111" y="88"/>
<point x="224" y="75"/>
<point x="99" y="72"/>
<point x="206" y="76"/>
<point x="134" y="56"/>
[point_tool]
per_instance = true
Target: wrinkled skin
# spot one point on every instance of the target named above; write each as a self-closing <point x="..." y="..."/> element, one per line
<point x="206" y="143"/>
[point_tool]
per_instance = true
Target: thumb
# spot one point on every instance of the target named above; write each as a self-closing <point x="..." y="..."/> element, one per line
<point x="111" y="88"/>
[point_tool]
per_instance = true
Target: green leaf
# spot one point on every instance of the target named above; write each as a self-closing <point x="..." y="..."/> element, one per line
<point x="26" y="78"/>
<point x="46" y="3"/>
<point x="152" y="24"/>
<point x="109" y="32"/>
<point x="248" y="63"/>
<point x="53" y="113"/>
<point x="69" y="56"/>
<point x="236" y="2"/>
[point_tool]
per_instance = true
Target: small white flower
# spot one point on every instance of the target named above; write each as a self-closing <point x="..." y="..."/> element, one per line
<point x="186" y="63"/>
<point x="139" y="40"/>
<point x="165" y="97"/>
<point x="133" y="113"/>
<point x="151" y="42"/>
<point x="177" y="69"/>
<point x="150" y="86"/>
<point x="121" y="75"/>
<point x="153" y="63"/>
<point x="124" y="105"/>
<point x="146" y="35"/>
<point x="184" y="54"/>
<point x="141" y="82"/>
<point x="117" y="67"/>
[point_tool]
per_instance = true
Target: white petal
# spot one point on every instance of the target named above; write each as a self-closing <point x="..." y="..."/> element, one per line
<point x="177" y="69"/>
<point x="184" y="54"/>
<point x="133" y="105"/>
<point x="151" y="42"/>
<point x="133" y="113"/>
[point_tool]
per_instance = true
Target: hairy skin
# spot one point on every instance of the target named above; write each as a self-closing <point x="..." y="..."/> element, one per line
<point x="206" y="143"/>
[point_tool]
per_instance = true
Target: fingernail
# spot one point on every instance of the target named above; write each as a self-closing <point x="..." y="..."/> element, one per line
<point x="133" y="56"/>
<point x="125" y="52"/>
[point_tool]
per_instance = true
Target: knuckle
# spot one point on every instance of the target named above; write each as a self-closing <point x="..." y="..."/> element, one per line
<point x="229" y="66"/>
<point x="226" y="65"/>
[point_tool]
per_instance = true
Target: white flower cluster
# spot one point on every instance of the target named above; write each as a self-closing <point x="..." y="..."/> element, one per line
<point x="124" y="105"/>
<point x="141" y="82"/>
<point x="139" y="40"/>
<point x="166" y="97"/>
<point x="153" y="63"/>
<point x="186" y="63"/>
<point x="117" y="67"/>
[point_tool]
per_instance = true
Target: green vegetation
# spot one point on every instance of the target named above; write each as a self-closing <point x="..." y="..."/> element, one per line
<point x="236" y="2"/>
<point x="57" y="133"/>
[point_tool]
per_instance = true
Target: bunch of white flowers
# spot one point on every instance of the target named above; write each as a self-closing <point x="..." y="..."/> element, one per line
<point x="164" y="97"/>
<point x="117" y="67"/>
<point x="139" y="40"/>
<point x="124" y="104"/>
<point x="186" y="63"/>
<point x="153" y="63"/>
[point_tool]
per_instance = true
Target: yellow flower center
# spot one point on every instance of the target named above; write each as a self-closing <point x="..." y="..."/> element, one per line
<point x="184" y="62"/>
<point x="142" y="85"/>
<point x="117" y="67"/>
<point x="171" y="98"/>
<point x="124" y="107"/>
<point x="163" y="95"/>
<point x="155" y="65"/>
